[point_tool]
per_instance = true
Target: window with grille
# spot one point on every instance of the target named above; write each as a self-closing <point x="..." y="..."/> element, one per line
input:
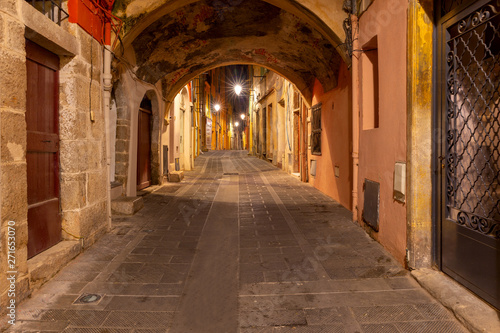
<point x="316" y="130"/>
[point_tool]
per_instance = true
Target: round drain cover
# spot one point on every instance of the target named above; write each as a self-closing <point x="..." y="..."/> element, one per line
<point x="89" y="298"/>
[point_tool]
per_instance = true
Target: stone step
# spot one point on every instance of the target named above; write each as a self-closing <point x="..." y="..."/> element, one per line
<point x="175" y="176"/>
<point x="116" y="190"/>
<point x="45" y="265"/>
<point x="126" y="205"/>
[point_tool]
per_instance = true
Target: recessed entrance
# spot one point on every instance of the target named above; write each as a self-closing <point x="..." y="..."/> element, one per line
<point x="144" y="145"/>
<point x="42" y="158"/>
<point x="469" y="157"/>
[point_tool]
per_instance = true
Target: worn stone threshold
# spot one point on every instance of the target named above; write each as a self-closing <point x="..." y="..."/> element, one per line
<point x="45" y="265"/>
<point x="470" y="310"/>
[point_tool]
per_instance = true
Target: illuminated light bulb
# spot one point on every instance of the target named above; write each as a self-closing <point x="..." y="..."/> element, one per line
<point x="238" y="89"/>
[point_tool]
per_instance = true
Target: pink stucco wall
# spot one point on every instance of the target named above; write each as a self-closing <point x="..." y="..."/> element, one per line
<point x="380" y="148"/>
<point x="335" y="140"/>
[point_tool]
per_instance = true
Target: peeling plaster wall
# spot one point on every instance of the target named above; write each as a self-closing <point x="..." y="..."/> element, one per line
<point x="83" y="171"/>
<point x="380" y="148"/>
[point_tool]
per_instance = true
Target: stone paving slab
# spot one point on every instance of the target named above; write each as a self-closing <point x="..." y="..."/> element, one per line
<point x="254" y="251"/>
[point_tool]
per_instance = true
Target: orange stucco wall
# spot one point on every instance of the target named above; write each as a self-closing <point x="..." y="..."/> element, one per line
<point x="335" y="140"/>
<point x="380" y="148"/>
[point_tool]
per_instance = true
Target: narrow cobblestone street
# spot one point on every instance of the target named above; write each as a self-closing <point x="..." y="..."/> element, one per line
<point x="238" y="246"/>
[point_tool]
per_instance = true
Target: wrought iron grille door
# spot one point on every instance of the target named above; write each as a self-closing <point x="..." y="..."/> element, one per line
<point x="469" y="45"/>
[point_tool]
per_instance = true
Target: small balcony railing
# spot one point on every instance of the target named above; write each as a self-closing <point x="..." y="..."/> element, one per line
<point x="50" y="8"/>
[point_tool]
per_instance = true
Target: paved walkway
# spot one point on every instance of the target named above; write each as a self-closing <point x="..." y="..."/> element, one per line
<point x="238" y="246"/>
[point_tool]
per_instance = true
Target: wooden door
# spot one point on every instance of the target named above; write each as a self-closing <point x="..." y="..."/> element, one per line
<point x="296" y="126"/>
<point x="144" y="149"/>
<point x="257" y="135"/>
<point x="42" y="157"/>
<point x="270" y="136"/>
<point x="264" y="132"/>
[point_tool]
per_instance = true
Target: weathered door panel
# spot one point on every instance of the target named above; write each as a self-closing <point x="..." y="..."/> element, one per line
<point x="264" y="132"/>
<point x="144" y="150"/>
<point x="296" y="126"/>
<point x="42" y="157"/>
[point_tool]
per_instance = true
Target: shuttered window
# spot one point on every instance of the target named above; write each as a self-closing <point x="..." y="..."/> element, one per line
<point x="316" y="130"/>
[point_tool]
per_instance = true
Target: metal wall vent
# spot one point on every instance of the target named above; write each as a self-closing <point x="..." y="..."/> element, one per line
<point x="371" y="203"/>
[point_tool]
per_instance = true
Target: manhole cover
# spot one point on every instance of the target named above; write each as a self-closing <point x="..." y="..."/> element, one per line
<point x="231" y="174"/>
<point x="88" y="298"/>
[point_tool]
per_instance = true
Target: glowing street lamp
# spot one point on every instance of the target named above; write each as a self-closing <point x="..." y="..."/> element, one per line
<point x="236" y="124"/>
<point x="242" y="116"/>
<point x="217" y="107"/>
<point x="237" y="89"/>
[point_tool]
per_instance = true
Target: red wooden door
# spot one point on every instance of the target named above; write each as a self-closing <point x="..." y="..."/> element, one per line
<point x="42" y="158"/>
<point x="144" y="150"/>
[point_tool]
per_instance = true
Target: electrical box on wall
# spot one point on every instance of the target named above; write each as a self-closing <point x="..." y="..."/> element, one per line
<point x="337" y="171"/>
<point x="400" y="182"/>
<point x="313" y="168"/>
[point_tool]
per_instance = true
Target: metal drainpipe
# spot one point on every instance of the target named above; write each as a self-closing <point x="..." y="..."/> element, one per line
<point x="107" y="86"/>
<point x="355" y="118"/>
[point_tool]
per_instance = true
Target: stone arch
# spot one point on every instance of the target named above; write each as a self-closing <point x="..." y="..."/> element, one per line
<point x="155" y="137"/>
<point x="325" y="15"/>
<point x="128" y="96"/>
<point x="183" y="38"/>
<point x="183" y="110"/>
<point x="172" y="91"/>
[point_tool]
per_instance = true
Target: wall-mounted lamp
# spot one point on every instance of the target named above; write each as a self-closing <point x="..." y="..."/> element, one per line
<point x="237" y="89"/>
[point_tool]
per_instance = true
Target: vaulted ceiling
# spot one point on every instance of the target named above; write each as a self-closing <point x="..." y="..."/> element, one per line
<point x="181" y="39"/>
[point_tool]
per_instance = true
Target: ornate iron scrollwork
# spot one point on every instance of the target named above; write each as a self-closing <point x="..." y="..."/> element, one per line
<point x="472" y="119"/>
<point x="480" y="224"/>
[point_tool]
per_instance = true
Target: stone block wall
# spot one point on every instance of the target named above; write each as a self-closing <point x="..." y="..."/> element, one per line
<point x="13" y="179"/>
<point x="84" y="184"/>
<point x="122" y="136"/>
<point x="83" y="171"/>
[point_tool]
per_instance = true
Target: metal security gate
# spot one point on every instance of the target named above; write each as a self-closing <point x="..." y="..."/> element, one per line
<point x="468" y="106"/>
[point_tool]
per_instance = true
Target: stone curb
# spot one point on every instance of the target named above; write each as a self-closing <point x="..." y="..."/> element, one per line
<point x="472" y="312"/>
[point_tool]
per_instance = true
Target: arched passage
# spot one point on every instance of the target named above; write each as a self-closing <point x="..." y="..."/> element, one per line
<point x="128" y="98"/>
<point x="180" y="39"/>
